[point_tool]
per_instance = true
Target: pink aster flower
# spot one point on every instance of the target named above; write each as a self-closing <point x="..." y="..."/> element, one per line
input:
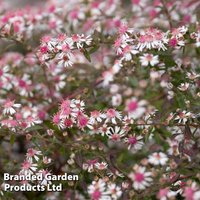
<point x="82" y="120"/>
<point x="57" y="120"/>
<point x="118" y="45"/>
<point x="65" y="108"/>
<point x="69" y="122"/>
<point x="192" y="75"/>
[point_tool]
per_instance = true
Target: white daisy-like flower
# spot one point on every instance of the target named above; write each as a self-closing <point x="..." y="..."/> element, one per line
<point x="197" y="39"/>
<point x="166" y="193"/>
<point x="107" y="77"/>
<point x="134" y="142"/>
<point x="4" y="75"/>
<point x="112" y="115"/>
<point x="24" y="85"/>
<point x="115" y="191"/>
<point x="135" y="108"/>
<point x="46" y="160"/>
<point x="97" y="190"/>
<point x="119" y="44"/>
<point x="103" y="129"/>
<point x="116" y="133"/>
<point x="116" y="100"/>
<point x="191" y="192"/>
<point x="173" y="147"/>
<point x="117" y="66"/>
<point x="101" y="165"/>
<point x="28" y="168"/>
<point x="183" y="116"/>
<point x="127" y="120"/>
<point x="32" y="153"/>
<point x="128" y="51"/>
<point x="9" y="107"/>
<point x="77" y="105"/>
<point x="31" y="121"/>
<point x="179" y="32"/>
<point x="96" y="116"/>
<point x="90" y="165"/>
<point x="59" y="81"/>
<point x="44" y="174"/>
<point x="65" y="44"/>
<point x="152" y="39"/>
<point x="183" y="29"/>
<point x="80" y="40"/>
<point x="65" y="59"/>
<point x="147" y="59"/>
<point x="192" y="75"/>
<point x="115" y="173"/>
<point x="184" y="86"/>
<point x="158" y="158"/>
<point x="197" y="195"/>
<point x="141" y="179"/>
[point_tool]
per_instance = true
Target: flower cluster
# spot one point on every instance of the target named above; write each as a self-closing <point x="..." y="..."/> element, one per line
<point x="102" y="190"/>
<point x="61" y="49"/>
<point x="33" y="165"/>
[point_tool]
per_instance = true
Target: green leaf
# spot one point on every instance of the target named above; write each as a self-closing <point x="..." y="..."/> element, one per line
<point x="12" y="139"/>
<point x="94" y="49"/>
<point x="87" y="55"/>
<point x="34" y="128"/>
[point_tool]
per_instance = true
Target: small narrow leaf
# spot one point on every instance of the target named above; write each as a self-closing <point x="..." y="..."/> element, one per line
<point x="12" y="139"/>
<point x="87" y="55"/>
<point x="11" y="29"/>
<point x="94" y="49"/>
